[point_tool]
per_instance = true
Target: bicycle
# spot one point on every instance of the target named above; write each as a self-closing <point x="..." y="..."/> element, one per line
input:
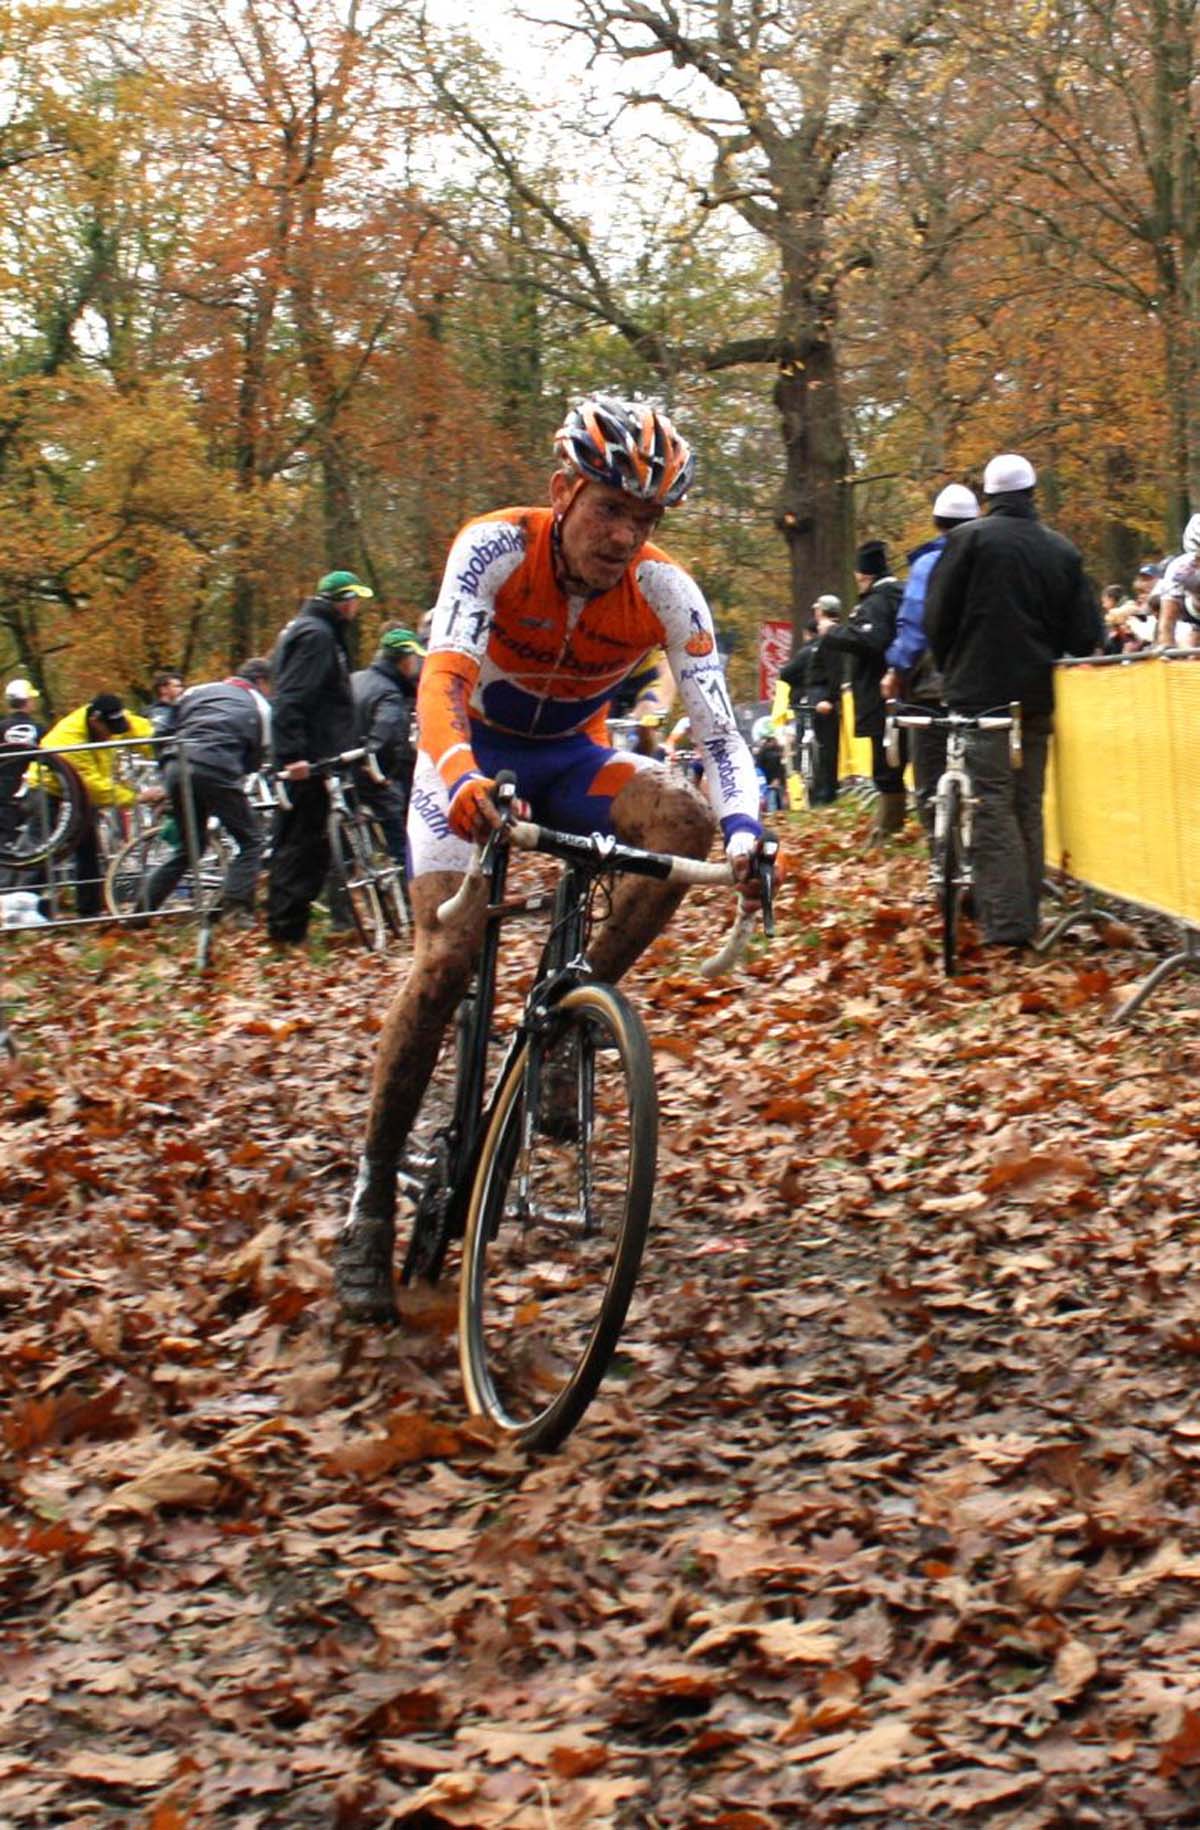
<point x="131" y="868"/>
<point x="45" y="826"/>
<point x="548" y="1177"/>
<point x="954" y="802"/>
<point x="365" y="880"/>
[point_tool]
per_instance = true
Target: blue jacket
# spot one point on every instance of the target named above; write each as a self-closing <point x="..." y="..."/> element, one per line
<point x="911" y="641"/>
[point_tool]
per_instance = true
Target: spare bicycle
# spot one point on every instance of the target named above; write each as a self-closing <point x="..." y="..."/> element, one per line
<point x="366" y="882"/>
<point x="954" y="802"/>
<point x="548" y="1178"/>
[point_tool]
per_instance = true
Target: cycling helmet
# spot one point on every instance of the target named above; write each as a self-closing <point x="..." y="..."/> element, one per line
<point x="628" y="444"/>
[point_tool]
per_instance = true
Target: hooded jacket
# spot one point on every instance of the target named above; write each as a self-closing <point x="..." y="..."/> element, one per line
<point x="312" y="709"/>
<point x="866" y="636"/>
<point x="1006" y="600"/>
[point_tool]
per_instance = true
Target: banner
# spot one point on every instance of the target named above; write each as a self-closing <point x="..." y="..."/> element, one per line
<point x="774" y="648"/>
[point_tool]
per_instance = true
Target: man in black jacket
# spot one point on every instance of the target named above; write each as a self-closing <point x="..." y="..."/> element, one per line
<point x="385" y="696"/>
<point x="225" y="729"/>
<point x="1006" y="600"/>
<point x="866" y="637"/>
<point x="312" y="718"/>
<point x="815" y="679"/>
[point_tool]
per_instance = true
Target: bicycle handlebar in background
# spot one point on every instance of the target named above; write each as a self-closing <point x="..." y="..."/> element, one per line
<point x="335" y="765"/>
<point x="902" y="717"/>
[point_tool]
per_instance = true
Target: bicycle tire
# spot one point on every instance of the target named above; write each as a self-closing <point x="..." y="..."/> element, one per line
<point x="354" y="879"/>
<point x="542" y="1304"/>
<point x="950" y="879"/>
<point x="130" y="869"/>
<point x="390" y="885"/>
<point x="52" y="839"/>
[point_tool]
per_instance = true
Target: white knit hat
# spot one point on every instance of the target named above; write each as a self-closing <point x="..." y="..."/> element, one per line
<point x="1007" y="472"/>
<point x="956" y="503"/>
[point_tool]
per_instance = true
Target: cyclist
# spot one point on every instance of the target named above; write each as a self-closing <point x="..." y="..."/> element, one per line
<point x="543" y="612"/>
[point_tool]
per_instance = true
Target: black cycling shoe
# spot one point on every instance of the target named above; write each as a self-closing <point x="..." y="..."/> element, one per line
<point x="362" y="1257"/>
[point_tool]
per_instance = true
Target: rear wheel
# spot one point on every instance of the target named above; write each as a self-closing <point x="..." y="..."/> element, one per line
<point x="558" y="1218"/>
<point x="950" y="884"/>
<point x="390" y="885"/>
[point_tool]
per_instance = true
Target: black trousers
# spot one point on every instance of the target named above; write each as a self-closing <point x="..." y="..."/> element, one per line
<point x="226" y="802"/>
<point x="299" y="860"/>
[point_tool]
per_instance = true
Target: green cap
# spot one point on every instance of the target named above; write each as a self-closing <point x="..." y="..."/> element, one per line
<point x="401" y="641"/>
<point x="342" y="584"/>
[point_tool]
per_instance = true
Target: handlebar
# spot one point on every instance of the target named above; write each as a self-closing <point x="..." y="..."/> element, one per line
<point x="606" y="852"/>
<point x="335" y="765"/>
<point x="911" y="718"/>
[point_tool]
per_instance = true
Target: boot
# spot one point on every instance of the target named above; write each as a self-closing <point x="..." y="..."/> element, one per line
<point x="362" y="1257"/>
<point x="890" y="810"/>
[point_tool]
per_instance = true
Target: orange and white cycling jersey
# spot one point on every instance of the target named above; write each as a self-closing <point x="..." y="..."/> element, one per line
<point x="540" y="665"/>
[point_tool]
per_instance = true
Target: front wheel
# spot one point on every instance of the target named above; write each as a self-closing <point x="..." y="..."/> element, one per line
<point x="558" y="1218"/>
<point x="950" y="871"/>
<point x="354" y="897"/>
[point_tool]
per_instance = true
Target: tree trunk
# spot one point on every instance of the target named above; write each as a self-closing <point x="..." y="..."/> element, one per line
<point x="815" y="510"/>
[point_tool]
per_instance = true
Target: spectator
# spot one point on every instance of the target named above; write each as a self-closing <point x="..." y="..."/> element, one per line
<point x="385" y="697"/>
<point x="165" y="689"/>
<point x="767" y="752"/>
<point x="866" y="637"/>
<point x="1006" y="600"/>
<point x="225" y="728"/>
<point x="102" y="720"/>
<point x="1179" y="594"/>
<point x="1118" y="610"/>
<point x="20" y="729"/>
<point x="814" y="677"/>
<point x="313" y="718"/>
<point x="911" y="673"/>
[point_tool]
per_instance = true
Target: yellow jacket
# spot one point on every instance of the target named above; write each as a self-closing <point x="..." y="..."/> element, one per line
<point x="95" y="768"/>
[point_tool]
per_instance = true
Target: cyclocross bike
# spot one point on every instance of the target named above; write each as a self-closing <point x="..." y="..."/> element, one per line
<point x="954" y="801"/>
<point x="366" y="882"/>
<point x="548" y="1177"/>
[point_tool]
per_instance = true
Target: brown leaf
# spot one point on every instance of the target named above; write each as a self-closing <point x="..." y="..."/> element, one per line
<point x="141" y="1771"/>
<point x="877" y="1751"/>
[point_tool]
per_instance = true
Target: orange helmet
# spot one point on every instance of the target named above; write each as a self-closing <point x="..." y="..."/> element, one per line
<point x="628" y="444"/>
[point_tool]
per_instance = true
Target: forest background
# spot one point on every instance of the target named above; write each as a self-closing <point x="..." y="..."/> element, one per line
<point x="290" y="284"/>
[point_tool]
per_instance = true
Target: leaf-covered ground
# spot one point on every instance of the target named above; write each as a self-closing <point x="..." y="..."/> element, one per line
<point x="890" y="1518"/>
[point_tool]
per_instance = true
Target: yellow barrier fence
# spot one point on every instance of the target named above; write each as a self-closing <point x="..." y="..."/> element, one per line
<point x="1120" y="815"/>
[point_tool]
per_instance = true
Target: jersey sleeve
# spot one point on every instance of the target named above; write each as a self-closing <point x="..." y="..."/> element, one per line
<point x="484" y="556"/>
<point x="690" y="645"/>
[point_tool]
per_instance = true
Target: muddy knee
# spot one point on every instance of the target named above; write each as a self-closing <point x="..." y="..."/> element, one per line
<point x="662" y="815"/>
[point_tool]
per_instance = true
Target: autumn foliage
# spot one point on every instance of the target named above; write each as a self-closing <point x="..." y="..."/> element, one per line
<point x="886" y="1514"/>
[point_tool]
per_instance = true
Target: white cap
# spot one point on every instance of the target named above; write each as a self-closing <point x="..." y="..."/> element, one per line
<point x="1008" y="471"/>
<point x="20" y="689"/>
<point x="956" y="503"/>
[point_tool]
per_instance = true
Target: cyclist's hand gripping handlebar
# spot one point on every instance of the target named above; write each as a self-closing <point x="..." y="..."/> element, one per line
<point x="762" y="874"/>
<point x="504" y="798"/>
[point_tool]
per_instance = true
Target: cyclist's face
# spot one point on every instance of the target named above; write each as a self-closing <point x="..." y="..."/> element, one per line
<point x="603" y="530"/>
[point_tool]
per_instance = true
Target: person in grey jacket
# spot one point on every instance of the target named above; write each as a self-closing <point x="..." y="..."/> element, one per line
<point x="225" y="728"/>
<point x="1006" y="600"/>
<point x="385" y="698"/>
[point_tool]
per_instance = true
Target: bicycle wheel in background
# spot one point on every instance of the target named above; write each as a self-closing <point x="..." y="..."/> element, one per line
<point x="53" y="819"/>
<point x="390" y="885"/>
<point x="949" y="868"/>
<point x="131" y="868"/>
<point x="808" y="764"/>
<point x="558" y="1218"/>
<point x="352" y="884"/>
